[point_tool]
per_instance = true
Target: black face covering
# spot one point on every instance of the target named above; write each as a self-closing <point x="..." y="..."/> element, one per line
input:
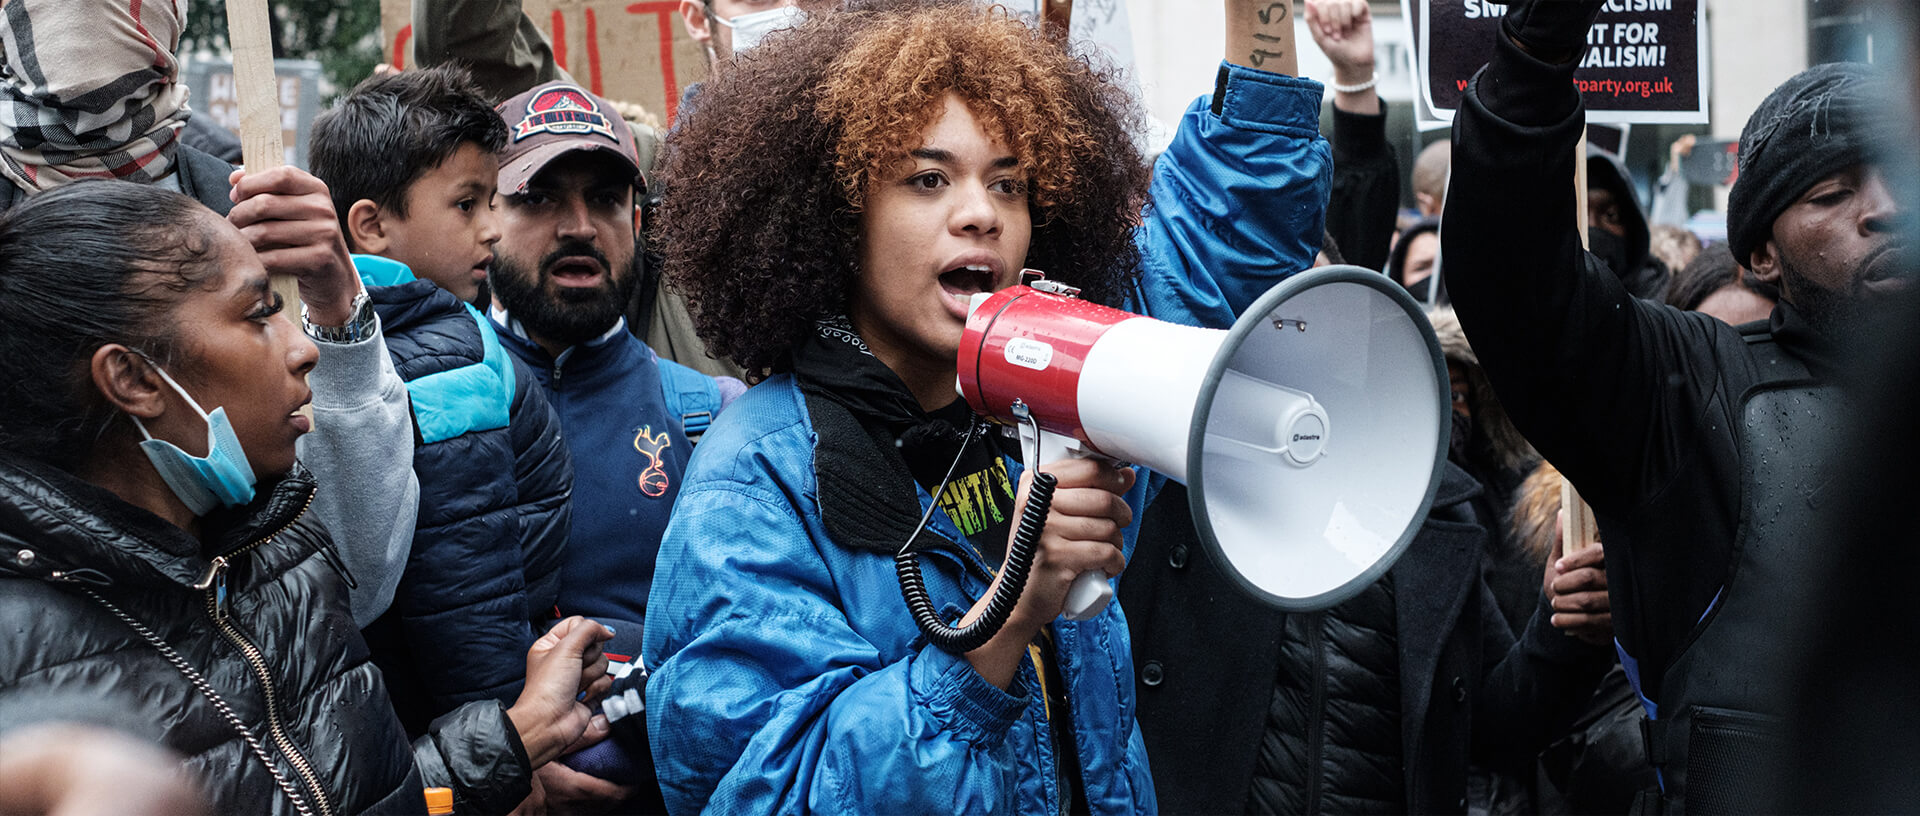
<point x="1610" y="248"/>
<point x="1461" y="440"/>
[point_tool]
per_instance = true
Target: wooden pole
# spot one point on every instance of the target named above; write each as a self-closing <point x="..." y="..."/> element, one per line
<point x="1260" y="35"/>
<point x="258" y="93"/>
<point x="254" y="84"/>
<point x="1057" y="17"/>
<point x="1578" y="529"/>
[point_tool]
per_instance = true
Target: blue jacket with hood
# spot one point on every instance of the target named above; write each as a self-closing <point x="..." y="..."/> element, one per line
<point x="495" y="486"/>
<point x="789" y="676"/>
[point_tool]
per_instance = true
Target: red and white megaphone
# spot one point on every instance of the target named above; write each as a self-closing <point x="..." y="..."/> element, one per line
<point x="1310" y="435"/>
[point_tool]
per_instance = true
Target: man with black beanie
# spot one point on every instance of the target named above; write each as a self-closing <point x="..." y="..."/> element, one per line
<point x="1699" y="445"/>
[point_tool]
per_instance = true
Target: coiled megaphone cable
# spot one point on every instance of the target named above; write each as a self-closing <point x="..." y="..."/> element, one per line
<point x="1013" y="576"/>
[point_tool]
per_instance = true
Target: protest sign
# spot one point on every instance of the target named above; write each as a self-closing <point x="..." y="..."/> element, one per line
<point x="1609" y="138"/>
<point x="396" y="32"/>
<point x="215" y="96"/>
<point x="1712" y="163"/>
<point x="1645" y="60"/>
<point x="1423" y="116"/>
<point x="626" y="51"/>
<point x="637" y="52"/>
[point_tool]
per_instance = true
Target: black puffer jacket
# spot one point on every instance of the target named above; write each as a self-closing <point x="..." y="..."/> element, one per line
<point x="1332" y="743"/>
<point x="88" y="583"/>
<point x="496" y="483"/>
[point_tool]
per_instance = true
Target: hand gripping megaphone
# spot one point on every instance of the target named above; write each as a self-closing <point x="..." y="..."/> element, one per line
<point x="1310" y="435"/>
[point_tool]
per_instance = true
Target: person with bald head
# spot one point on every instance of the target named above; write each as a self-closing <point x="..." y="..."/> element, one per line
<point x="1431" y="169"/>
<point x="89" y="91"/>
<point x="1700" y="446"/>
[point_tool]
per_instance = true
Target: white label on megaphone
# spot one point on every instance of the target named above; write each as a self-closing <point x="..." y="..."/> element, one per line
<point x="1027" y="353"/>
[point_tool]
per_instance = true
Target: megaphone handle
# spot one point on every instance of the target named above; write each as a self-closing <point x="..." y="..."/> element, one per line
<point x="1091" y="592"/>
<point x="1089" y="595"/>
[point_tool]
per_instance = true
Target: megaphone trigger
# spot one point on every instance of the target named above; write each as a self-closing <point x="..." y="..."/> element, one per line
<point x="1091" y="592"/>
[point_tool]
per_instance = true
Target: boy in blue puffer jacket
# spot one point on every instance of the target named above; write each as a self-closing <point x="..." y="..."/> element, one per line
<point x="410" y="160"/>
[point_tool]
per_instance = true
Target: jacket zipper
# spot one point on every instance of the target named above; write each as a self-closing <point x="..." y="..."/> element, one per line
<point x="215" y="585"/>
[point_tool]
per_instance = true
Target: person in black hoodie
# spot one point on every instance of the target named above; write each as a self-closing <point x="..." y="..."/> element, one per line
<point x="1617" y="230"/>
<point x="1700" y="446"/>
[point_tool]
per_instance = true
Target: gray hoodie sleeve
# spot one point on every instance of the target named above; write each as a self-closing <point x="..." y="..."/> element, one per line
<point x="361" y="453"/>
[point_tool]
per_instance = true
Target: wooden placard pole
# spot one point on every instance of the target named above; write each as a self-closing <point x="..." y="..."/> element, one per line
<point x="1578" y="529"/>
<point x="258" y="93"/>
<point x="1260" y="35"/>
<point x="254" y="84"/>
<point x="1057" y="17"/>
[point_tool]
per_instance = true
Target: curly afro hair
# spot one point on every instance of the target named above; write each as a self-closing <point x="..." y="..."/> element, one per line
<point x="766" y="175"/>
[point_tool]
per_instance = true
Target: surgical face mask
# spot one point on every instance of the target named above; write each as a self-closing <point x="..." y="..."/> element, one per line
<point x="222" y="477"/>
<point x="750" y="29"/>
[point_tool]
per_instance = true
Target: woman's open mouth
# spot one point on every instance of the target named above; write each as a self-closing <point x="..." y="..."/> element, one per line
<point x="961" y="283"/>
<point x="968" y="280"/>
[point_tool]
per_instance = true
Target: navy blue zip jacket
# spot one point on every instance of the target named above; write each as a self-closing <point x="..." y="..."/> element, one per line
<point x="496" y="480"/>
<point x="627" y="414"/>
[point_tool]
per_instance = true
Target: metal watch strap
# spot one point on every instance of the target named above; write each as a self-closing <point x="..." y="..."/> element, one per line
<point x="360" y="324"/>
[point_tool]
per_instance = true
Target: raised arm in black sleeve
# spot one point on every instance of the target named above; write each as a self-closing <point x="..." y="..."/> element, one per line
<point x="1628" y="398"/>
<point x="1366" y="187"/>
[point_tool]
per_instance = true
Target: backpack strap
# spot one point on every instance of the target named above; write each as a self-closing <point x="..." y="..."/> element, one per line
<point x="692" y="396"/>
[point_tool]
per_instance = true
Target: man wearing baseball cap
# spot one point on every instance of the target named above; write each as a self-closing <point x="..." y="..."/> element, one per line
<point x="564" y="270"/>
<point x="1700" y="446"/>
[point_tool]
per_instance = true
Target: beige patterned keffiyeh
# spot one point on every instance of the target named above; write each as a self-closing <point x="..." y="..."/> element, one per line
<point x="87" y="90"/>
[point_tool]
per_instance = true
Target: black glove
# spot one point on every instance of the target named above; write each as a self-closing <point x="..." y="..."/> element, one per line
<point x="1551" y="30"/>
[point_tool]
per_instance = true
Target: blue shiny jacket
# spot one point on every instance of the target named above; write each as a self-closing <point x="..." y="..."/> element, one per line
<point x="788" y="675"/>
<point x="789" y="678"/>
<point x="1239" y="199"/>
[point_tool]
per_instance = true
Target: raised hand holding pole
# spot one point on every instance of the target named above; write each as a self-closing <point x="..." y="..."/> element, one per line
<point x="258" y="92"/>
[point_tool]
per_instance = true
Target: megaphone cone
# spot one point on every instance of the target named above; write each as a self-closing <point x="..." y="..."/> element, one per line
<point x="1310" y="435"/>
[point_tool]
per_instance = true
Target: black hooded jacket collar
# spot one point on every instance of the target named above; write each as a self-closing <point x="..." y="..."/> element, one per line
<point x="866" y="421"/>
<point x="84" y="531"/>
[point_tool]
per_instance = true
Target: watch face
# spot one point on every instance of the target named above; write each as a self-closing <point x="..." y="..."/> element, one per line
<point x="359" y="326"/>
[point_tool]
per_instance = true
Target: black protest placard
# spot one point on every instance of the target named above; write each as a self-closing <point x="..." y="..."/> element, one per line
<point x="1644" y="59"/>
<point x="1609" y="138"/>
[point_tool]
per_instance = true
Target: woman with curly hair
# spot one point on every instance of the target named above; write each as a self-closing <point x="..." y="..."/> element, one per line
<point x="832" y="205"/>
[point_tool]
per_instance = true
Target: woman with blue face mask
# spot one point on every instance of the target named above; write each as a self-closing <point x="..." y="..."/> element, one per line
<point x="158" y="554"/>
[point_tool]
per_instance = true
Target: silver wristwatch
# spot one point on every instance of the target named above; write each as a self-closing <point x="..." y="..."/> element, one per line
<point x="360" y="324"/>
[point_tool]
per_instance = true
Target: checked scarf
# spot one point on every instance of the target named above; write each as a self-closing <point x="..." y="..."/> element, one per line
<point x="87" y="90"/>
